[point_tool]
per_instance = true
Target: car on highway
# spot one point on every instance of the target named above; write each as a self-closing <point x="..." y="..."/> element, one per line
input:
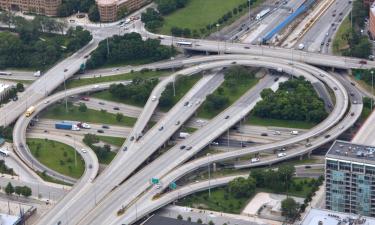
<point x="161" y="128"/>
<point x="116" y="108"/>
<point x="281" y="154"/>
<point x="46" y="101"/>
<point x="215" y="143"/>
<point x="83" y="150"/>
<point x="227" y="117"/>
<point x="65" y="70"/>
<point x="153" y="98"/>
<point x="131" y="138"/>
<point x="188" y="148"/>
<point x="100" y="131"/>
<point x="263" y="134"/>
<point x="101" y="103"/>
<point x="277" y="132"/>
<point x="254" y="160"/>
<point x="276" y="79"/>
<point x="247" y="47"/>
<point x="186" y="103"/>
<point x="294" y="132"/>
<point x="352" y="114"/>
<point x="105" y="126"/>
<point x="15" y="98"/>
<point x="85" y="98"/>
<point x="177" y="123"/>
<point x="327" y="136"/>
<point x="308" y="144"/>
<point x="125" y="149"/>
<point x="182" y="147"/>
<point x="335" y="88"/>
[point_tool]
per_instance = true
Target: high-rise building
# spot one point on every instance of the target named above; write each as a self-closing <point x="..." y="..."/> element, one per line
<point x="350" y="178"/>
<point x="44" y="7"/>
<point x="109" y="9"/>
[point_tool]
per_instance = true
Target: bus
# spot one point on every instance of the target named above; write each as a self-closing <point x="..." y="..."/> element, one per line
<point x="5" y="73"/>
<point x="184" y="43"/>
<point x="4" y="152"/>
<point x="29" y="111"/>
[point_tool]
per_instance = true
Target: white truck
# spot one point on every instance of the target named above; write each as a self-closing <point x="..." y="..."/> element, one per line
<point x="37" y="73"/>
<point x="262" y="13"/>
<point x="183" y="135"/>
<point x="254" y="160"/>
<point x="294" y="132"/>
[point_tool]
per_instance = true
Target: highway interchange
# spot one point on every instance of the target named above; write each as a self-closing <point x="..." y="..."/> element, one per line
<point x="96" y="200"/>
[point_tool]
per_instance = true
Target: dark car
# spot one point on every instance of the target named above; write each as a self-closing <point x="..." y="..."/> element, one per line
<point x="327" y="136"/>
<point x="227" y="117"/>
<point x="125" y="149"/>
<point x="65" y="70"/>
<point x="276" y="79"/>
<point x="131" y="138"/>
<point x="105" y="126"/>
<point x="100" y="131"/>
<point x="263" y="134"/>
<point x="161" y="128"/>
<point x="182" y="147"/>
<point x="116" y="108"/>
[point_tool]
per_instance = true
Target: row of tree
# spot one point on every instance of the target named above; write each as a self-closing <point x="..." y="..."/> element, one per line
<point x="137" y="92"/>
<point x="295" y="99"/>
<point x="128" y="48"/>
<point x="69" y="7"/>
<point x="6" y="132"/>
<point x="5" y="169"/>
<point x="36" y="44"/>
<point x="101" y="152"/>
<point x="152" y="19"/>
<point x="19" y="190"/>
<point x="365" y="75"/>
<point x="166" y="7"/>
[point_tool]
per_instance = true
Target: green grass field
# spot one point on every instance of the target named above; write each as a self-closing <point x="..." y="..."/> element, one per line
<point x="58" y="112"/>
<point x="116" y="141"/>
<point x="222" y="201"/>
<point x="57" y="156"/>
<point x="108" y="160"/>
<point x="241" y="89"/>
<point x="253" y="120"/>
<point x="197" y="14"/>
<point x="126" y="76"/>
<point x="339" y="41"/>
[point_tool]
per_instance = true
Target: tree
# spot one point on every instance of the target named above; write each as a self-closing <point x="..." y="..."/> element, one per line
<point x="26" y="191"/>
<point x="290" y="209"/>
<point x="211" y="223"/>
<point x="179" y="217"/>
<point x="18" y="190"/>
<point x="199" y="221"/>
<point x="82" y="107"/>
<point x="242" y="187"/>
<point x="93" y="13"/>
<point x="119" y="117"/>
<point x="20" y="87"/>
<point x="9" y="189"/>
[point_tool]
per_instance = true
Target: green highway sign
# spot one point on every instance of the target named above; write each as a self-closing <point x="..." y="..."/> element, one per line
<point x="154" y="180"/>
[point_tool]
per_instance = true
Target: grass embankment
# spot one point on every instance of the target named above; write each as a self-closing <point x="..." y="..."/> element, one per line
<point x="126" y="76"/>
<point x="116" y="141"/>
<point x="254" y="120"/>
<point x="222" y="201"/>
<point x="232" y="94"/>
<point x="197" y="14"/>
<point x="340" y="41"/>
<point x="57" y="156"/>
<point x="58" y="112"/>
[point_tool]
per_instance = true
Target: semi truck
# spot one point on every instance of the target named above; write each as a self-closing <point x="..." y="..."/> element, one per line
<point x="30" y="111"/>
<point x="262" y="13"/>
<point x="83" y="125"/>
<point x="66" y="126"/>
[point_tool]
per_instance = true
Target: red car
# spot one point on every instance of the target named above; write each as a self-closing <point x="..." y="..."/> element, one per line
<point x="363" y="62"/>
<point x="85" y="98"/>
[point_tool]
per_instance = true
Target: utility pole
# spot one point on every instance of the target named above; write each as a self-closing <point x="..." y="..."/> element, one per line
<point x="66" y="100"/>
<point x="218" y="39"/>
<point x="249" y="12"/>
<point x="372" y="89"/>
<point x="209" y="175"/>
<point x="75" y="151"/>
<point x="107" y="48"/>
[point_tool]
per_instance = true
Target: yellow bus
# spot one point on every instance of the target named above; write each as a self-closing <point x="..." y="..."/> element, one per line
<point x="29" y="111"/>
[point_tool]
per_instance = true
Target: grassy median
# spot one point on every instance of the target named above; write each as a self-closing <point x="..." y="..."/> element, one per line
<point x="257" y="121"/>
<point x="57" y="156"/>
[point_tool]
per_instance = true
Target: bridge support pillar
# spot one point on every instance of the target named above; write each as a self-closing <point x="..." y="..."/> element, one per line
<point x="309" y="154"/>
<point x="214" y="167"/>
<point x="300" y="157"/>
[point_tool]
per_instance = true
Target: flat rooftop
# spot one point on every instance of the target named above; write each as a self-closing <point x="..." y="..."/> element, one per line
<point x="328" y="217"/>
<point x="352" y="152"/>
<point x="160" y="220"/>
<point x="8" y="219"/>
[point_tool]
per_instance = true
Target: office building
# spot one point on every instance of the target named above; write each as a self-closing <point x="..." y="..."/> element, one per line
<point x="44" y="7"/>
<point x="109" y="9"/>
<point x="350" y="178"/>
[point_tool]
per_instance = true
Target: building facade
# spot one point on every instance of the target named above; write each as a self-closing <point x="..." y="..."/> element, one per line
<point x="371" y="25"/>
<point x="44" y="7"/>
<point x="109" y="9"/>
<point x="350" y="178"/>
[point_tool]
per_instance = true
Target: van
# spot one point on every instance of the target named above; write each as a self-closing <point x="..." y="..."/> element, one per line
<point x="282" y="154"/>
<point x="294" y="132"/>
<point x="254" y="160"/>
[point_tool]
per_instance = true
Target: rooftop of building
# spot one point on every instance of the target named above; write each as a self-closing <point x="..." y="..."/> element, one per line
<point x="372" y="8"/>
<point x="160" y="220"/>
<point x="3" y="87"/>
<point x="6" y="219"/>
<point x="328" y="217"/>
<point x="106" y="2"/>
<point x="352" y="152"/>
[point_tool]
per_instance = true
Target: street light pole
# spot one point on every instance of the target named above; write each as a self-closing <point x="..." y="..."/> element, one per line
<point x="209" y="175"/>
<point x="66" y="100"/>
<point x="372" y="89"/>
<point x="249" y="12"/>
<point x="218" y="39"/>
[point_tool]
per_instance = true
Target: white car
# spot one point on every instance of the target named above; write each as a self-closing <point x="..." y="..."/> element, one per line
<point x="282" y="154"/>
<point x="277" y="132"/>
<point x="83" y="150"/>
<point x="294" y="132"/>
<point x="46" y="102"/>
<point x="254" y="160"/>
<point x="153" y="98"/>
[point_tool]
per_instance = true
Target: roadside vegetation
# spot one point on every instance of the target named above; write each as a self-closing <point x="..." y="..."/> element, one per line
<point x="295" y="100"/>
<point x="70" y="7"/>
<point x="128" y="49"/>
<point x="12" y="93"/>
<point x="234" y="197"/>
<point x="47" y="178"/>
<point x="4" y="169"/>
<point x="238" y="80"/>
<point x="144" y="74"/>
<point x="193" y="18"/>
<point x="57" y="156"/>
<point x="35" y="44"/>
<point x="18" y="190"/>
<point x="364" y="75"/>
<point x="182" y="85"/>
<point x="80" y="113"/>
<point x="6" y="133"/>
<point x="115" y="141"/>
<point x="104" y="153"/>
<point x="348" y="40"/>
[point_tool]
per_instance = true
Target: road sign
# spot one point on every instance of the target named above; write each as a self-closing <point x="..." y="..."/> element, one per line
<point x="154" y="180"/>
<point x="173" y="185"/>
